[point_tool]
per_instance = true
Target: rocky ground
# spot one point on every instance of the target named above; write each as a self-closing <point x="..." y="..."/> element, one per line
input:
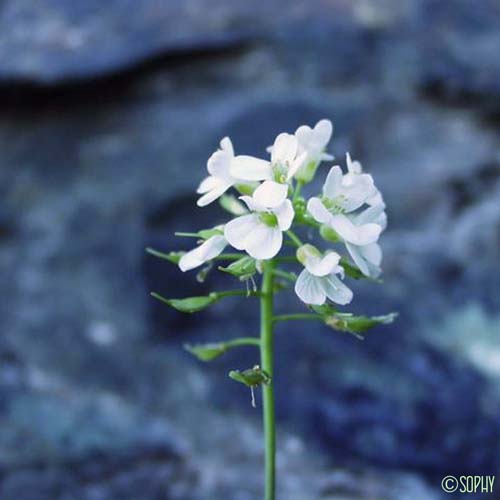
<point x="107" y="120"/>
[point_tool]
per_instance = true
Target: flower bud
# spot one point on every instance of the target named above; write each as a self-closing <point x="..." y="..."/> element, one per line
<point x="251" y="377"/>
<point x="357" y="324"/>
<point x="232" y="205"/>
<point x="243" y="268"/>
<point x="189" y="304"/>
<point x="306" y="252"/>
<point x="328" y="234"/>
<point x="306" y="172"/>
<point x="205" y="234"/>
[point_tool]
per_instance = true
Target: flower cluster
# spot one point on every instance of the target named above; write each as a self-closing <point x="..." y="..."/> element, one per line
<point x="349" y="212"/>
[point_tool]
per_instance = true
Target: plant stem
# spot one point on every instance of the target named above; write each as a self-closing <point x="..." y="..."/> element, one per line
<point x="288" y="317"/>
<point x="266" y="360"/>
<point x="233" y="293"/>
<point x="295" y="239"/>
<point x="298" y="188"/>
<point x="285" y="275"/>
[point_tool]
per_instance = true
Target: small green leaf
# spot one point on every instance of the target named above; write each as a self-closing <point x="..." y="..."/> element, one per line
<point x="207" y="352"/>
<point x="243" y="268"/>
<point x="232" y="205"/>
<point x="357" y="324"/>
<point x="172" y="257"/>
<point x="251" y="377"/>
<point x="189" y="304"/>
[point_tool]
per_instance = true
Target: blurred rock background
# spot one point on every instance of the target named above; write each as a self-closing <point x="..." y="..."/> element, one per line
<point x="108" y="114"/>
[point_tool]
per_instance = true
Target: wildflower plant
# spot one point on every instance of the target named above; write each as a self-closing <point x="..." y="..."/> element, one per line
<point x="271" y="220"/>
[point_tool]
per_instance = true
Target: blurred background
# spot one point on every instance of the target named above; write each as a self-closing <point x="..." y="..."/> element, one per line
<point x="109" y="111"/>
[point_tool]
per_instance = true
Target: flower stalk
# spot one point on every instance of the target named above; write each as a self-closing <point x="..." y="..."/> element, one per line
<point x="266" y="360"/>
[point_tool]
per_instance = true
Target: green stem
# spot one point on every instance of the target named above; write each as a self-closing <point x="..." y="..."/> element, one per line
<point x="289" y="317"/>
<point x="285" y="275"/>
<point x="243" y="341"/>
<point x="233" y="293"/>
<point x="295" y="239"/>
<point x="266" y="360"/>
<point x="297" y="191"/>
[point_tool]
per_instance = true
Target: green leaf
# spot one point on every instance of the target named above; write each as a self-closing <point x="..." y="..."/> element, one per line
<point x="189" y="304"/>
<point x="252" y="377"/>
<point x="243" y="268"/>
<point x="346" y="322"/>
<point x="207" y="352"/>
<point x="232" y="205"/>
<point x="172" y="257"/>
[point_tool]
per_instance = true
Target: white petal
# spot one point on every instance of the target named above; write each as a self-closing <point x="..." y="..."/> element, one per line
<point x="333" y="183"/>
<point x="212" y="195"/>
<point x="249" y="168"/>
<point x="284" y="148"/>
<point x="303" y="135"/>
<point x="318" y="211"/>
<point x="327" y="157"/>
<point x="372" y="253"/>
<point x="252" y="204"/>
<point x="309" y="289"/>
<point x="357" y="257"/>
<point x="265" y="242"/>
<point x="207" y="184"/>
<point x="367" y="258"/>
<point x="285" y="214"/>
<point x="227" y="145"/>
<point x="321" y="266"/>
<point x="359" y="235"/>
<point x="218" y="165"/>
<point x="375" y="214"/>
<point x="323" y="131"/>
<point x="356" y="189"/>
<point x="335" y="290"/>
<point x="296" y="164"/>
<point x="205" y="252"/>
<point x="270" y="194"/>
<point x="238" y="230"/>
<point x="354" y="167"/>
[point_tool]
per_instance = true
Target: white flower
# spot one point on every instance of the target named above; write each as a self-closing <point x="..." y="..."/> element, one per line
<point x="354" y="168"/>
<point x="260" y="232"/>
<point x="220" y="178"/>
<point x="282" y="167"/>
<point x="368" y="257"/>
<point x="319" y="281"/>
<point x="314" y="140"/>
<point x="341" y="197"/>
<point x="208" y="250"/>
